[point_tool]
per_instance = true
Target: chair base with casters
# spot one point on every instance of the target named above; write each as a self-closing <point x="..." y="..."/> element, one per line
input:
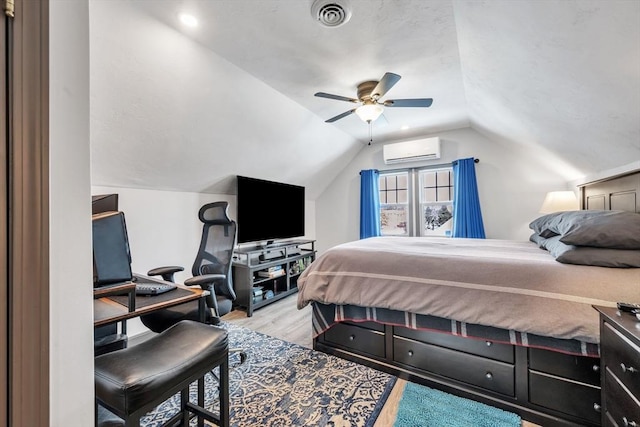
<point x="131" y="382"/>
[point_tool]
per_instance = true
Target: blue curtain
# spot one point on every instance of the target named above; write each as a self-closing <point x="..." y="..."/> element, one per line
<point x="369" y="204"/>
<point x="467" y="216"/>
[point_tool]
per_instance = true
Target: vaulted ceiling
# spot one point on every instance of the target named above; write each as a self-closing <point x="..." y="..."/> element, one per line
<point x="563" y="76"/>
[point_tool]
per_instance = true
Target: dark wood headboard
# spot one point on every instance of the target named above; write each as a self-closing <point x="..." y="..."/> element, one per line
<point x="619" y="193"/>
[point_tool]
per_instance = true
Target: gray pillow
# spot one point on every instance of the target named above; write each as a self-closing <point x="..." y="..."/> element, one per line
<point x="537" y="239"/>
<point x="588" y="255"/>
<point x="615" y="229"/>
<point x="554" y="223"/>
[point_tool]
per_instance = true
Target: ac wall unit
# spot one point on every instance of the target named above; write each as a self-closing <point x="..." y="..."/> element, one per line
<point x="411" y="151"/>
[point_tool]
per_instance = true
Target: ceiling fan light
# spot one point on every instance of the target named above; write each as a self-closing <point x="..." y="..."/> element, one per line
<point x="369" y="112"/>
<point x="188" y="20"/>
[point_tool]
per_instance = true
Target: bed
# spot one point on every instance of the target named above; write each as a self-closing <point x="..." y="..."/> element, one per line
<point x="506" y="323"/>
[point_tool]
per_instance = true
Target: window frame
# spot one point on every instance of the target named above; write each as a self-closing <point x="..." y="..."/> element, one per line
<point x="414" y="208"/>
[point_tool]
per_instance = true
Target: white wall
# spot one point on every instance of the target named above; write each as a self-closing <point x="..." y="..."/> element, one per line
<point x="169" y="114"/>
<point x="164" y="229"/>
<point x="71" y="391"/>
<point x="511" y="186"/>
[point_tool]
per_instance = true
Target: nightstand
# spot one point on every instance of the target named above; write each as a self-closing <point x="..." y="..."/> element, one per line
<point x="619" y="367"/>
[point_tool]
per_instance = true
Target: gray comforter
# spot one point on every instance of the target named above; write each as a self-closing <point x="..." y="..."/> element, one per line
<point x="501" y="283"/>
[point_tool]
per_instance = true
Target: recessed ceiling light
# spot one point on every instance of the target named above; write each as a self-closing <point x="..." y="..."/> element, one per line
<point x="404" y="127"/>
<point x="188" y="20"/>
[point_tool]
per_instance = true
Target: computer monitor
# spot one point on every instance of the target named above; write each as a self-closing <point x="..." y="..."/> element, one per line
<point x="111" y="254"/>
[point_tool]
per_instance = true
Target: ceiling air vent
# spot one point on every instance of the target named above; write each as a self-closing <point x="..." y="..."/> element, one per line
<point x="331" y="13"/>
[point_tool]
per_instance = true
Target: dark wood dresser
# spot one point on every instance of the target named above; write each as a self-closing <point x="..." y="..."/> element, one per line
<point x="620" y="367"/>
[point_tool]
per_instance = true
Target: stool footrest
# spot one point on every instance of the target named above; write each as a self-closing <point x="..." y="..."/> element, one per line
<point x="205" y="413"/>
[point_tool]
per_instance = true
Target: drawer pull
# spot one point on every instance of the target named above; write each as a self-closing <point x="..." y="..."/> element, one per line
<point x="410" y="353"/>
<point x="489" y="343"/>
<point x="628" y="368"/>
<point x="596" y="368"/>
<point x="628" y="423"/>
<point x="597" y="407"/>
<point x="352" y="337"/>
<point x="488" y="376"/>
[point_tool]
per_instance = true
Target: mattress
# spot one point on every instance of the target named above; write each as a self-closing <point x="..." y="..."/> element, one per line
<point x="503" y="284"/>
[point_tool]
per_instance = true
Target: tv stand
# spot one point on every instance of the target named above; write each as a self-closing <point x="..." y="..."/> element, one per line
<point x="265" y="274"/>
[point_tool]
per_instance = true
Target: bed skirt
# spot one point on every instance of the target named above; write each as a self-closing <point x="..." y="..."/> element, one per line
<point x="324" y="316"/>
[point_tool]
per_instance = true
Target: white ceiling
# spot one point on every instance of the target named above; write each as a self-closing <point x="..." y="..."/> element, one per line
<point x="561" y="75"/>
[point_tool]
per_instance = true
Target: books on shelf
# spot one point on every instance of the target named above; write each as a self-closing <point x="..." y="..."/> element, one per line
<point x="272" y="272"/>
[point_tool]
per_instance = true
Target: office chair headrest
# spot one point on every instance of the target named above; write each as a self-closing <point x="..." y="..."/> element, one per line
<point x="215" y="213"/>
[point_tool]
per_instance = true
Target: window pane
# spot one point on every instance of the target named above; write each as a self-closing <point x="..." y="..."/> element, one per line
<point x="403" y="196"/>
<point x="393" y="220"/>
<point x="391" y="197"/>
<point x="391" y="182"/>
<point x="403" y="181"/>
<point x="443" y="194"/>
<point x="443" y="178"/>
<point x="428" y="179"/>
<point x="436" y="219"/>
<point x="429" y="195"/>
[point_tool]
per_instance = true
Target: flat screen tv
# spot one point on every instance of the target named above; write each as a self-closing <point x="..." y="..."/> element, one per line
<point x="269" y="211"/>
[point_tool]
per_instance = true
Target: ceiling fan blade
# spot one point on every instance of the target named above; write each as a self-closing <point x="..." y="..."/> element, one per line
<point x="340" y="116"/>
<point x="383" y="86"/>
<point x="417" y="102"/>
<point x="338" y="97"/>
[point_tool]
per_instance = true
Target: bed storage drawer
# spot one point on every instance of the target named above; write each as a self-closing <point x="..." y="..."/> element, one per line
<point x="479" y="347"/>
<point x="569" y="397"/>
<point x="578" y="368"/>
<point x="356" y="338"/>
<point x="479" y="371"/>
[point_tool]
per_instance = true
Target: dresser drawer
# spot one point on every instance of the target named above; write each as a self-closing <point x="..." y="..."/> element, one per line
<point x="352" y="337"/>
<point x="622" y="357"/>
<point x="479" y="371"/>
<point x="484" y="348"/>
<point x="570" y="397"/>
<point x="619" y="404"/>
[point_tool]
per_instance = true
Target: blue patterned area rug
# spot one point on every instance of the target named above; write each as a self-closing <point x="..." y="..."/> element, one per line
<point x="422" y="406"/>
<point x="284" y="384"/>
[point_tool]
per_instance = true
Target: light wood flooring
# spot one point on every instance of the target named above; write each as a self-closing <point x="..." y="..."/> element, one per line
<point x="283" y="320"/>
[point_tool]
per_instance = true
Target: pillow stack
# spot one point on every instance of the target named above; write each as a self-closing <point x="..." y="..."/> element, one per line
<point x="599" y="238"/>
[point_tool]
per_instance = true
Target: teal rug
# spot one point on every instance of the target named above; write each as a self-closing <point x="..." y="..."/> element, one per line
<point x="425" y="407"/>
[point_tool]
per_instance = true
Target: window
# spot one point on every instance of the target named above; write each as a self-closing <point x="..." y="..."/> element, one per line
<point x="394" y="203"/>
<point x="436" y="202"/>
<point x="425" y="209"/>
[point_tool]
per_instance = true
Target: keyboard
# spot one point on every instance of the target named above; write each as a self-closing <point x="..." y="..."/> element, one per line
<point x="154" y="288"/>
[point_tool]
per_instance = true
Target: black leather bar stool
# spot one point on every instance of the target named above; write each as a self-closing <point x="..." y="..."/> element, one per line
<point x="133" y="381"/>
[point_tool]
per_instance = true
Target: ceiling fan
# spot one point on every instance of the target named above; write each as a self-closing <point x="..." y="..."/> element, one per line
<point x="369" y="94"/>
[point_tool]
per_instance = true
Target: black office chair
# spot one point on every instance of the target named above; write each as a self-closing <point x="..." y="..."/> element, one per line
<point x="211" y="271"/>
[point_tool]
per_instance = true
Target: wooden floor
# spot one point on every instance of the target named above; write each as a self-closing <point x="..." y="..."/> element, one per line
<point x="283" y="320"/>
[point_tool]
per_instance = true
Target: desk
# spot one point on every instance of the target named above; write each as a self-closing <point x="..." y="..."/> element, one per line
<point x="107" y="311"/>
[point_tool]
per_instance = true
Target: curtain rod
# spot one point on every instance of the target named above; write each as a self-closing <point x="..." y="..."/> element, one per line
<point x="474" y="161"/>
<point x="441" y="165"/>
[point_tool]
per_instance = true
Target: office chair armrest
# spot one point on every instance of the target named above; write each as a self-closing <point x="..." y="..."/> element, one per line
<point x="166" y="272"/>
<point x="205" y="280"/>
